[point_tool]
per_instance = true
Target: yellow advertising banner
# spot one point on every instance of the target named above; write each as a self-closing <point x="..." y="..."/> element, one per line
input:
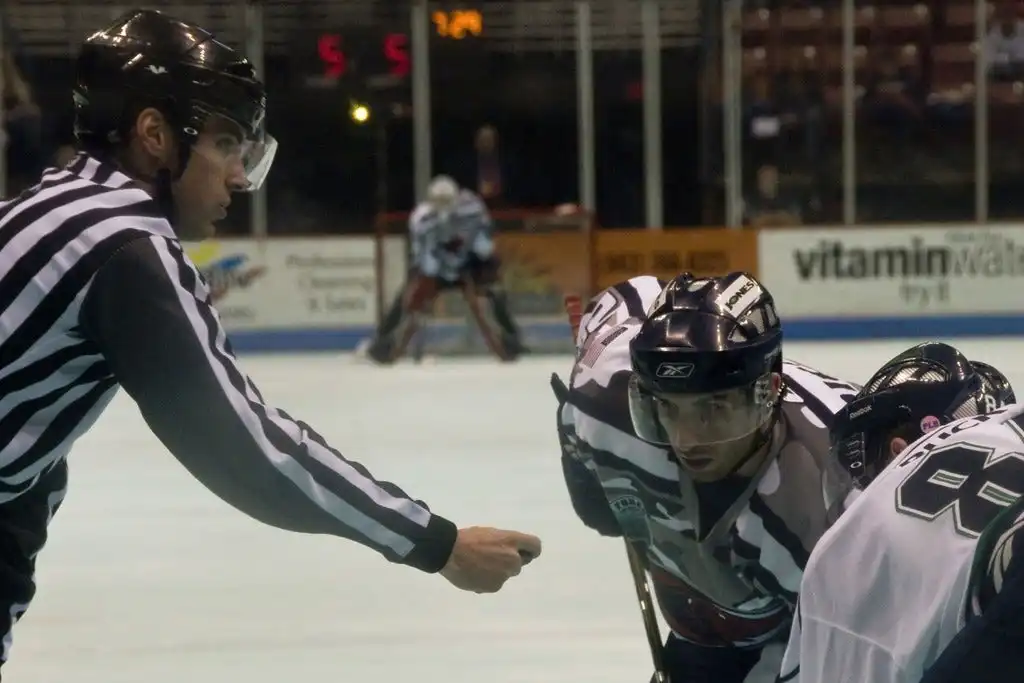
<point x="537" y="270"/>
<point x="539" y="266"/>
<point x="622" y="254"/>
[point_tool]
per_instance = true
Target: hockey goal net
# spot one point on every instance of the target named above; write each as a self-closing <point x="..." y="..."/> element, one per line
<point x="545" y="254"/>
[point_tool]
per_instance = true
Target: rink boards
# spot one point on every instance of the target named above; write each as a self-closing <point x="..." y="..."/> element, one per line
<point x="829" y="283"/>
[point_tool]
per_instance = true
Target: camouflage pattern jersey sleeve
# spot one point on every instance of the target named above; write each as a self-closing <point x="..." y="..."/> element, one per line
<point x="594" y="415"/>
<point x="787" y="513"/>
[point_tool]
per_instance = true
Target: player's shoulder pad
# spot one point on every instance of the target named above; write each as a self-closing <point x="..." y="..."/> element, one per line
<point x="472" y="208"/>
<point x="998" y="556"/>
<point x="468" y="198"/>
<point x="600" y="376"/>
<point x="613" y="306"/>
<point x="422" y="215"/>
<point x="822" y="393"/>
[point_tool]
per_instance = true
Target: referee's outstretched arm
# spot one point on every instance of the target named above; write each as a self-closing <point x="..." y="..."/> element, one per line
<point x="148" y="311"/>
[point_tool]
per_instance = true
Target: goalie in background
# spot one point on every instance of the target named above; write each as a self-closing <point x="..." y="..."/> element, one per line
<point x="452" y="246"/>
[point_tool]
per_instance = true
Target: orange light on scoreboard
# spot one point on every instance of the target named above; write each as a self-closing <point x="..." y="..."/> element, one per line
<point x="458" y="24"/>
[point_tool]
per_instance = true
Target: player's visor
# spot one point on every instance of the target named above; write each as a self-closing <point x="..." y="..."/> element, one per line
<point x="838" y="486"/>
<point x="684" y="421"/>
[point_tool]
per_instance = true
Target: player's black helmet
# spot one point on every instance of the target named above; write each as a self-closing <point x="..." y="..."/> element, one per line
<point x="997" y="385"/>
<point x="919" y="390"/>
<point x="703" y="362"/>
<point x="148" y="59"/>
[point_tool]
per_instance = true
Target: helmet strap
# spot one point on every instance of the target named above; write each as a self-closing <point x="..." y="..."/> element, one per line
<point x="763" y="440"/>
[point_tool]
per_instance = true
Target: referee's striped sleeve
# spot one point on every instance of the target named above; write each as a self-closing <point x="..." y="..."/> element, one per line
<point x="148" y="311"/>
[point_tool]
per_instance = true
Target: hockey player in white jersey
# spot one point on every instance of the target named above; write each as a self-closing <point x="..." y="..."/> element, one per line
<point x="685" y="431"/>
<point x="451" y="246"/>
<point x="928" y="541"/>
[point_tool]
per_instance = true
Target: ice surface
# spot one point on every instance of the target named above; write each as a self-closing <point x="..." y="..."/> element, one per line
<point x="148" y="578"/>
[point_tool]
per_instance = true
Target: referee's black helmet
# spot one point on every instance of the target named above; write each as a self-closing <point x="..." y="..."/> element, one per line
<point x="149" y="59"/>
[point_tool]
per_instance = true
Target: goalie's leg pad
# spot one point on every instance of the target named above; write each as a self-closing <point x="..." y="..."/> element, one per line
<point x="402" y="319"/>
<point x="494" y="338"/>
<point x="498" y="301"/>
<point x="483" y="277"/>
<point x="483" y="272"/>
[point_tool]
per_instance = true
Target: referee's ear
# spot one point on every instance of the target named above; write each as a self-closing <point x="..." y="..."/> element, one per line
<point x="153" y="137"/>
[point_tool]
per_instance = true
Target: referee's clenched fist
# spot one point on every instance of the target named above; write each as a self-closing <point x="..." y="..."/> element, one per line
<point x="483" y="559"/>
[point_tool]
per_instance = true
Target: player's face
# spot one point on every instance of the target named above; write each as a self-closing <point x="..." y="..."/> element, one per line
<point x="711" y="433"/>
<point x="215" y="170"/>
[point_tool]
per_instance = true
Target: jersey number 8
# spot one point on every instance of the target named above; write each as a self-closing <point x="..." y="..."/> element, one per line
<point x="966" y="479"/>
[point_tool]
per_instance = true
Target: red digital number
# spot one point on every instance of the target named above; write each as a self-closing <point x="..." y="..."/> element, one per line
<point x="395" y="49"/>
<point x="328" y="47"/>
<point x="397" y="53"/>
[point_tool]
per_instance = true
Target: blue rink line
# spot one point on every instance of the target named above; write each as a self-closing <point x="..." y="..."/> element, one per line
<point x="801" y="329"/>
<point x="267" y="341"/>
<point x="936" y="327"/>
<point x="348" y="338"/>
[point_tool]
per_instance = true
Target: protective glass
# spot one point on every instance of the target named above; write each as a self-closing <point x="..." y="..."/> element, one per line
<point x="685" y="421"/>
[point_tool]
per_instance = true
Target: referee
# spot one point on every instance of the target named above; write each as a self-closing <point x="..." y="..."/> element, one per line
<point x="96" y="292"/>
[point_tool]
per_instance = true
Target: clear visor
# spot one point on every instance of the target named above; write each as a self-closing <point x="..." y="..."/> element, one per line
<point x="247" y="163"/>
<point x="837" y="485"/>
<point x="256" y="158"/>
<point x="685" y="421"/>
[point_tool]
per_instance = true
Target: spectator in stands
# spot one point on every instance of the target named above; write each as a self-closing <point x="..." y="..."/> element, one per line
<point x="763" y="122"/>
<point x="768" y="207"/>
<point x="1004" y="45"/>
<point x="489" y="176"/>
<point x="22" y="127"/>
<point x="64" y="155"/>
<point x="893" y="103"/>
<point x="62" y="131"/>
<point x="801" y="106"/>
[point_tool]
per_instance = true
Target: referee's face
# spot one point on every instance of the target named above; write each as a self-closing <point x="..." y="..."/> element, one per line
<point x="214" y="171"/>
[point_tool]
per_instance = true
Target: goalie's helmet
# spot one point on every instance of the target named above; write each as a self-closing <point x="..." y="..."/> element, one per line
<point x="148" y="59"/>
<point x="919" y="390"/>
<point x="707" y="366"/>
<point x="442" y="192"/>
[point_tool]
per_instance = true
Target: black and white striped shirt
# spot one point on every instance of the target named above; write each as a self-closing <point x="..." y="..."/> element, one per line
<point x="96" y="292"/>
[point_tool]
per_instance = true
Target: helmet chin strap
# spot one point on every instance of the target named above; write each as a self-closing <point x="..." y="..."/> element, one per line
<point x="164" y="181"/>
<point x="763" y="441"/>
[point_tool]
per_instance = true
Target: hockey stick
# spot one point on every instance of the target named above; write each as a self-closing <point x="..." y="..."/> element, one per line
<point x="574" y="310"/>
<point x="643" y="596"/>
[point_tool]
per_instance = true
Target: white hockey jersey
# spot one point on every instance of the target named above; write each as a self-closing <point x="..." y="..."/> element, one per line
<point x="442" y="242"/>
<point x="893" y="581"/>
<point x="726" y="557"/>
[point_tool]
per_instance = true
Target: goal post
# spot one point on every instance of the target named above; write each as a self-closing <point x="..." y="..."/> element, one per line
<point x="545" y="254"/>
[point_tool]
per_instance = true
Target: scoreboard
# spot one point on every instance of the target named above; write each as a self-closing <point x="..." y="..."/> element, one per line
<point x="357" y="56"/>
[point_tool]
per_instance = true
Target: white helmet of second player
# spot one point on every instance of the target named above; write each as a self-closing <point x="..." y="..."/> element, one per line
<point x="442" y="192"/>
